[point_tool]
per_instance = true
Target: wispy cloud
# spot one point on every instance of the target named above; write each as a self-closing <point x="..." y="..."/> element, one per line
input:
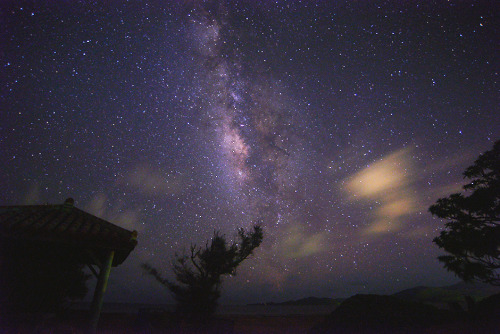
<point x="33" y="196"/>
<point x="150" y="181"/>
<point x="297" y="243"/>
<point x="128" y="218"/>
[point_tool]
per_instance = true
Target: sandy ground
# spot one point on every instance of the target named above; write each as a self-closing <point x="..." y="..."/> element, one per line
<point x="275" y="324"/>
<point x="237" y="324"/>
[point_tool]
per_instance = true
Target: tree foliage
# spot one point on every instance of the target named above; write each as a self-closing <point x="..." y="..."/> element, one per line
<point x="199" y="274"/>
<point x="472" y="235"/>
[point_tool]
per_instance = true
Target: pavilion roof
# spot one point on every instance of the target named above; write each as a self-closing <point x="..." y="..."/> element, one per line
<point x="67" y="225"/>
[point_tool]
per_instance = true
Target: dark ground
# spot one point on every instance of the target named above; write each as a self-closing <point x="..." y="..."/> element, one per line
<point x="358" y="314"/>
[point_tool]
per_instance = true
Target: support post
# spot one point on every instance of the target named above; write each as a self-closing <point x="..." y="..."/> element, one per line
<point x="102" y="282"/>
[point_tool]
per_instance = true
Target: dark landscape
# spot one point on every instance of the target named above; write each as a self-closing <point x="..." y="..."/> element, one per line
<point x="459" y="308"/>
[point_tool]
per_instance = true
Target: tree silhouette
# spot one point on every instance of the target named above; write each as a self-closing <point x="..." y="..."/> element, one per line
<point x="199" y="274"/>
<point x="472" y="235"/>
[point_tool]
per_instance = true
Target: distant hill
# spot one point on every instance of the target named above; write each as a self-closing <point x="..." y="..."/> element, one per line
<point x="307" y="301"/>
<point x="448" y="294"/>
<point x="390" y="314"/>
<point x="480" y="290"/>
<point x="439" y="296"/>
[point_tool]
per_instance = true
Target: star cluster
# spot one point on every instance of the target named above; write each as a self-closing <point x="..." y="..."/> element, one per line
<point x="333" y="123"/>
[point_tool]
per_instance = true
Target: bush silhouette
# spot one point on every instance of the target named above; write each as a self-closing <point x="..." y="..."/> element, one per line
<point x="199" y="274"/>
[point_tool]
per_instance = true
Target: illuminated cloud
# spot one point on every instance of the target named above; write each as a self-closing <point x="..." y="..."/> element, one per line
<point x="397" y="207"/>
<point x="389" y="188"/>
<point x="384" y="176"/>
<point x="388" y="185"/>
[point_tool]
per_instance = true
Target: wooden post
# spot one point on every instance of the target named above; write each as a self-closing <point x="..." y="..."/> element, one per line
<point x="102" y="282"/>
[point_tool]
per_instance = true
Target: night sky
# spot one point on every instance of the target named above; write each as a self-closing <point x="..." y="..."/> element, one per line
<point x="334" y="123"/>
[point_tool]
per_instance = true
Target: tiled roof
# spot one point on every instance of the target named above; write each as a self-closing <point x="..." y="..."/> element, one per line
<point x="68" y="225"/>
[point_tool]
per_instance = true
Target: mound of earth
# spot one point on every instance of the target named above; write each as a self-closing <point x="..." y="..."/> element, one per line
<point x="381" y="314"/>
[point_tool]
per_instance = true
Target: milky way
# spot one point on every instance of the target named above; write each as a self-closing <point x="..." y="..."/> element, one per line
<point x="334" y="124"/>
